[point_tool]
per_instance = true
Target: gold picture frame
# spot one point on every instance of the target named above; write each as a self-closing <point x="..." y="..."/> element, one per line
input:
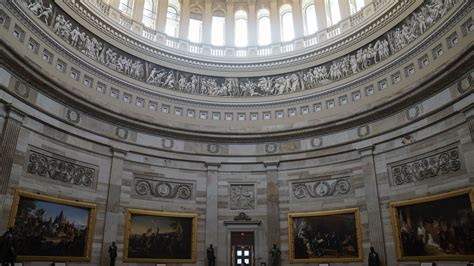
<point x="180" y="230"/>
<point x="72" y="226"/>
<point x="302" y="225"/>
<point x="418" y="242"/>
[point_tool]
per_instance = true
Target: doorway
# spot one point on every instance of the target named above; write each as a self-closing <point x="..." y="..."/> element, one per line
<point x="243" y="250"/>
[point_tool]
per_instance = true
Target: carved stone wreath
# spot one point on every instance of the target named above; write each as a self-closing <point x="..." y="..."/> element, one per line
<point x="325" y="188"/>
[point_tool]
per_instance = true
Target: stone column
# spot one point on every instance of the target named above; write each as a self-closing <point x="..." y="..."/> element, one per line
<point x="229" y="25"/>
<point x="211" y="208"/>
<point x="344" y="8"/>
<point x="162" y="12"/>
<point x="184" y="20"/>
<point x="207" y="23"/>
<point x="321" y="14"/>
<point x="275" y="21"/>
<point x="373" y="203"/>
<point x="273" y="206"/>
<point x="252" y="24"/>
<point x="137" y="14"/>
<point x="13" y="120"/>
<point x="298" y="19"/>
<point x="115" y="4"/>
<point x="112" y="209"/>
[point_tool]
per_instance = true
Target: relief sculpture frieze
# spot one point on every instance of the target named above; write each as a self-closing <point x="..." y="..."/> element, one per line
<point x="50" y="165"/>
<point x="425" y="167"/>
<point x="242" y="196"/>
<point x="81" y="39"/>
<point x="321" y="188"/>
<point x="161" y="188"/>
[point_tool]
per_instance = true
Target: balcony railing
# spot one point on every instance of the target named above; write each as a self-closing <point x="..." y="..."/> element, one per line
<point x="366" y="14"/>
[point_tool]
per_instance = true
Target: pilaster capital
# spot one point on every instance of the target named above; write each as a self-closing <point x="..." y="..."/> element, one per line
<point x="14" y="113"/>
<point x="271" y="165"/>
<point x="213" y="166"/>
<point x="119" y="153"/>
<point x="366" y="151"/>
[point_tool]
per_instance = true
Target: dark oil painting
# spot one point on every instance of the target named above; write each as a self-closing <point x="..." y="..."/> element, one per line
<point x="160" y="238"/>
<point x="438" y="229"/>
<point x="48" y="230"/>
<point x="332" y="237"/>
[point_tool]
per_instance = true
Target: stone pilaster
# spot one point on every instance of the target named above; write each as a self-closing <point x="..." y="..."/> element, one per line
<point x="298" y="19"/>
<point x="13" y="120"/>
<point x="112" y="212"/>
<point x="373" y="203"/>
<point x="321" y="14"/>
<point x="137" y="14"/>
<point x="229" y="25"/>
<point x="207" y="23"/>
<point x="162" y="12"/>
<point x="252" y="24"/>
<point x="344" y="8"/>
<point x="273" y="206"/>
<point x="184" y="20"/>
<point x="275" y="21"/>
<point x="211" y="208"/>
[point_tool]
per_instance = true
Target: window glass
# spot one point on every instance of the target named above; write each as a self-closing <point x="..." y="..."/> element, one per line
<point x="311" y="24"/>
<point x="287" y="29"/>
<point x="217" y="30"/>
<point x="195" y="30"/>
<point x="264" y="27"/>
<point x="126" y="6"/>
<point x="149" y="15"/>
<point x="241" y="36"/>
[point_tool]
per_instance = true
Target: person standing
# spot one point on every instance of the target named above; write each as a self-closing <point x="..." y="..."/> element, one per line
<point x="112" y="253"/>
<point x="373" y="258"/>
<point x="275" y="255"/>
<point x="7" y="248"/>
<point x="211" y="257"/>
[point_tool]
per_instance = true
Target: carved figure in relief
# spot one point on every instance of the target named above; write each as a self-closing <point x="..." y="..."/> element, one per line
<point x="75" y="33"/>
<point x="58" y="22"/>
<point x="169" y="81"/>
<point x="45" y="13"/>
<point x="36" y="6"/>
<point x="194" y="84"/>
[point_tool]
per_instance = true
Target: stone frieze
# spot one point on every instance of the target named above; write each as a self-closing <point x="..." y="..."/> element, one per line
<point x="429" y="166"/>
<point x="159" y="188"/>
<point x="43" y="163"/>
<point x="321" y="188"/>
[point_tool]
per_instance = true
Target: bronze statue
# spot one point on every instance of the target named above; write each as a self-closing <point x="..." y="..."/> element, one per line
<point x="373" y="258"/>
<point x="275" y="255"/>
<point x="112" y="253"/>
<point x="211" y="257"/>
<point x="7" y="248"/>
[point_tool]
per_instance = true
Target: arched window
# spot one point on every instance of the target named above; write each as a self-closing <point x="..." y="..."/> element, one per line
<point x="286" y="19"/>
<point x="356" y="5"/>
<point x="333" y="12"/>
<point x="218" y="28"/>
<point x="241" y="36"/>
<point x="126" y="7"/>
<point x="309" y="15"/>
<point x="172" y="18"/>
<point x="195" y="25"/>
<point x="149" y="14"/>
<point x="264" y="29"/>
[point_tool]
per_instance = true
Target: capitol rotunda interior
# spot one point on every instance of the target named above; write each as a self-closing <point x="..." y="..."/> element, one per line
<point x="237" y="132"/>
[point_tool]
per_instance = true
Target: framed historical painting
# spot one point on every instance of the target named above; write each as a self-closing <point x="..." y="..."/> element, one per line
<point x="159" y="237"/>
<point x="439" y="227"/>
<point x="47" y="228"/>
<point x="326" y="236"/>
